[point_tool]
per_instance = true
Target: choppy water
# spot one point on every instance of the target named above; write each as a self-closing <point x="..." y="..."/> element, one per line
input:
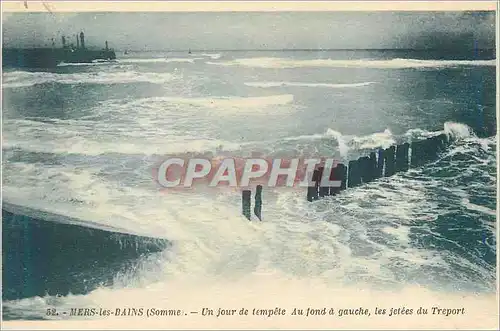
<point x="81" y="141"/>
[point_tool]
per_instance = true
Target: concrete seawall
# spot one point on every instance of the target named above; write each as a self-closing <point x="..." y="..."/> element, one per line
<point x="51" y="257"/>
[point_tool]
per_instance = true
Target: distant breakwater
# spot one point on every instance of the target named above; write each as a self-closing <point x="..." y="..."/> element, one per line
<point x="51" y="57"/>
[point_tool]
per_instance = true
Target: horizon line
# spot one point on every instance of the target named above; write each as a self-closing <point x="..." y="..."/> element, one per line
<point x="273" y="49"/>
<point x="302" y="49"/>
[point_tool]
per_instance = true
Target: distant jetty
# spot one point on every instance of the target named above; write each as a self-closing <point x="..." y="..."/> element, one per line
<point x="51" y="57"/>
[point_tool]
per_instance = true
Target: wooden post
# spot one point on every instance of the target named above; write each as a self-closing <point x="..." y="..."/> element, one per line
<point x="317" y="179"/>
<point x="323" y="191"/>
<point x="402" y="152"/>
<point x="389" y="157"/>
<point x="339" y="173"/>
<point x="258" y="202"/>
<point x="373" y="165"/>
<point x="312" y="190"/>
<point x="380" y="163"/>
<point x="428" y="150"/>
<point x="436" y="145"/>
<point x="246" y="203"/>
<point x="342" y="173"/>
<point x="331" y="190"/>
<point x="442" y="142"/>
<point x="365" y="171"/>
<point x="417" y="153"/>
<point x="353" y="178"/>
<point x="333" y="176"/>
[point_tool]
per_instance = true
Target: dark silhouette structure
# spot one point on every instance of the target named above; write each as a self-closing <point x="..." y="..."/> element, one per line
<point x="51" y="57"/>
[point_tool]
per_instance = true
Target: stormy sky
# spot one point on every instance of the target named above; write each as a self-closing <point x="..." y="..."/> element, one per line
<point x="256" y="31"/>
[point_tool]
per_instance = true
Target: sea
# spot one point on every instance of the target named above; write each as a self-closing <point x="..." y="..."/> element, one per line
<point x="81" y="142"/>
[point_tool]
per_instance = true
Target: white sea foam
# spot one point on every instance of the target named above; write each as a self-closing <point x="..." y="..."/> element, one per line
<point x="160" y="60"/>
<point x="213" y="56"/>
<point x="458" y="130"/>
<point x="306" y="245"/>
<point x="169" y="60"/>
<point x="343" y="146"/>
<point x="143" y="60"/>
<point x="287" y="259"/>
<point x="351" y="142"/>
<point x="302" y="252"/>
<point x="99" y="137"/>
<point x="475" y="207"/>
<point x="386" y="138"/>
<point x="24" y="79"/>
<point x="94" y="63"/>
<point x="375" y="140"/>
<point x="401" y="233"/>
<point x="224" y="102"/>
<point x="90" y="145"/>
<point x="79" y="136"/>
<point x="282" y="63"/>
<point x="298" y="84"/>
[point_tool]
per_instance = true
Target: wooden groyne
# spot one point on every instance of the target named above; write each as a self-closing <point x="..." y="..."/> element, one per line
<point x="377" y="164"/>
<point x="367" y="168"/>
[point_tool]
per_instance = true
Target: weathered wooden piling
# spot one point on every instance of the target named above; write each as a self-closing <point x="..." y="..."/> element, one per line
<point x="429" y="152"/>
<point x="339" y="173"/>
<point x="373" y="165"/>
<point x="342" y="175"/>
<point x="334" y="176"/>
<point x="389" y="160"/>
<point x="323" y="190"/>
<point x="427" y="149"/>
<point x="258" y="202"/>
<point x="384" y="162"/>
<point x="365" y="171"/>
<point x="435" y="145"/>
<point x="380" y="163"/>
<point x="442" y="142"/>
<point x="402" y="153"/>
<point x="331" y="190"/>
<point x="353" y="177"/>
<point x="246" y="203"/>
<point x="416" y="153"/>
<point x="313" y="189"/>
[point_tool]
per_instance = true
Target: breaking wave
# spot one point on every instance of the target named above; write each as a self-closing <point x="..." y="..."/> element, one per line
<point x="283" y="63"/>
<point x="298" y="84"/>
<point x="93" y="63"/>
<point x="160" y="60"/>
<point x="336" y="242"/>
<point x="26" y="79"/>
<point x="348" y="146"/>
<point x="88" y="144"/>
<point x="225" y="102"/>
<point x="78" y="137"/>
<point x="213" y="56"/>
